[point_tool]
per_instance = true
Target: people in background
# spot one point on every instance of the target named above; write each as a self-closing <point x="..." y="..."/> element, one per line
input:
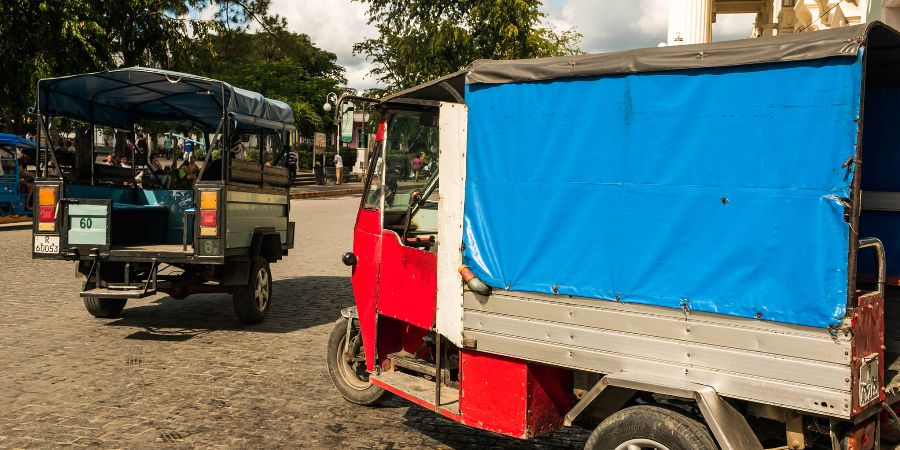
<point x="110" y="160"/>
<point x="124" y="162"/>
<point x="417" y="164"/>
<point x="167" y="146"/>
<point x="291" y="161"/>
<point x="142" y="144"/>
<point x="188" y="171"/>
<point x="155" y="170"/>
<point x="188" y="150"/>
<point x="338" y="169"/>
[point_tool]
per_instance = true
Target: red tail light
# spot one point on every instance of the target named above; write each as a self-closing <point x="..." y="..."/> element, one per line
<point x="46" y="213"/>
<point x="208" y="218"/>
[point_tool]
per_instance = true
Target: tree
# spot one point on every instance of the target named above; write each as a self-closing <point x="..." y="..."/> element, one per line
<point x="43" y="38"/>
<point x="420" y="40"/>
<point x="280" y="64"/>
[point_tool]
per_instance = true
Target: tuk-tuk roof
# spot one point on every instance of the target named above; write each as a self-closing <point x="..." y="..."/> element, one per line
<point x="836" y="42"/>
<point x="16" y="141"/>
<point x="121" y="98"/>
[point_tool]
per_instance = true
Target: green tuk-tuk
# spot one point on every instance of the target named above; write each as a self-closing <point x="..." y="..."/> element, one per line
<point x="210" y="226"/>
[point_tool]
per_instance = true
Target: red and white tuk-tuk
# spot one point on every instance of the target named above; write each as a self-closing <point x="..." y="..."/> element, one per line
<point x="645" y="243"/>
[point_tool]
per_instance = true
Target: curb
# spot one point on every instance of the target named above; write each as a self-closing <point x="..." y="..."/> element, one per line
<point x="6" y="220"/>
<point x="321" y="194"/>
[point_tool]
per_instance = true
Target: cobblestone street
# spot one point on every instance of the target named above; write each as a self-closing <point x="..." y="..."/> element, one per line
<point x="185" y="373"/>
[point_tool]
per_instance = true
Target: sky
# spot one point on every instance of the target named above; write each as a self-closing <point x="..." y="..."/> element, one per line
<point x="335" y="25"/>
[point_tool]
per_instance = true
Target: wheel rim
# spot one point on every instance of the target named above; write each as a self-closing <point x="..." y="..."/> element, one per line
<point x="351" y="370"/>
<point x="261" y="294"/>
<point x="641" y="444"/>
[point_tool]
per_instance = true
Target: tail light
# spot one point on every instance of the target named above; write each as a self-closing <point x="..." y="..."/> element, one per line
<point x="47" y="203"/>
<point x="209" y="213"/>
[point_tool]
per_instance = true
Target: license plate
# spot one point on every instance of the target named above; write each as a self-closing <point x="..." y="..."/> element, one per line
<point x="46" y="244"/>
<point x="869" y="387"/>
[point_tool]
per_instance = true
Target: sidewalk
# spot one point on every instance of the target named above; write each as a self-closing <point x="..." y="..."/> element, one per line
<point x="328" y="190"/>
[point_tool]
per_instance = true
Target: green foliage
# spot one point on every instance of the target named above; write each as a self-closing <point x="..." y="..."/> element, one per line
<point x="280" y="64"/>
<point x="420" y="40"/>
<point x="48" y="38"/>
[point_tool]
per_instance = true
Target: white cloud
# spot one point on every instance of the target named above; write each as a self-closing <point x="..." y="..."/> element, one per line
<point x="335" y="25"/>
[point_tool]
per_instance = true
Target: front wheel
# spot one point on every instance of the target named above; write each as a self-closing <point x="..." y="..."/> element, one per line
<point x="104" y="308"/>
<point x="347" y="366"/>
<point x="648" y="427"/>
<point x="251" y="301"/>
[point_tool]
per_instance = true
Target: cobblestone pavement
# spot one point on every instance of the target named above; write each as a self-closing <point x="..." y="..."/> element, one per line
<point x="184" y="373"/>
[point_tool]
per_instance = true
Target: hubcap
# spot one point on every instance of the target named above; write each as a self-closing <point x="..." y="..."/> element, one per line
<point x="262" y="289"/>
<point x="641" y="444"/>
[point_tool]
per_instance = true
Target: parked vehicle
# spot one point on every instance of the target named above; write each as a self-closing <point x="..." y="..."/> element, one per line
<point x="673" y="247"/>
<point x="135" y="232"/>
<point x="14" y="180"/>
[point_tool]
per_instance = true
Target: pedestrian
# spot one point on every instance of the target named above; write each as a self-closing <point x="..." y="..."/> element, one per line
<point x="167" y="146"/>
<point x="188" y="150"/>
<point x="417" y="165"/>
<point x="291" y="161"/>
<point x="338" y="169"/>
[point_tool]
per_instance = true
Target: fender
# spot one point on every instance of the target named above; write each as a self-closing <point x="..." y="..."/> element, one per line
<point x="266" y="243"/>
<point x="728" y="426"/>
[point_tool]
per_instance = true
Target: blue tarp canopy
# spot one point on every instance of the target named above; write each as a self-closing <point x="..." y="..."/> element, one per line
<point x="121" y="98"/>
<point x="711" y="178"/>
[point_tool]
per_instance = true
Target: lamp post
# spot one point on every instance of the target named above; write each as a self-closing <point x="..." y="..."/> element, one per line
<point x="337" y="102"/>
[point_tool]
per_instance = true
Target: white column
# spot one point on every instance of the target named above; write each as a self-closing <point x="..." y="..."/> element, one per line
<point x="690" y="22"/>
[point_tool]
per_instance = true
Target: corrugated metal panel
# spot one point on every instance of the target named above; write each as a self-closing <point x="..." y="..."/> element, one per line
<point x="795" y="367"/>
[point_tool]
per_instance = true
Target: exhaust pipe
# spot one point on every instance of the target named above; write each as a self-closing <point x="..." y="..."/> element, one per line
<point x="472" y="282"/>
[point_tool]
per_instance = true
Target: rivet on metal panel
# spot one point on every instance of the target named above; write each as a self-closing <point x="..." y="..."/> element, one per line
<point x="569" y="353"/>
<point x="759" y="315"/>
<point x="556" y="289"/>
<point x="687" y="329"/>
<point x="724" y="200"/>
<point x="688" y="355"/>
<point x="618" y="298"/>
<point x="507" y="287"/>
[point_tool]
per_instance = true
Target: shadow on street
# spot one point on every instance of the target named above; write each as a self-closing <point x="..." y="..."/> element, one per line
<point x="297" y="303"/>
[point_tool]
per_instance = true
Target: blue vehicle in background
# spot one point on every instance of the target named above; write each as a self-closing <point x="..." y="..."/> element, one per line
<point x="14" y="189"/>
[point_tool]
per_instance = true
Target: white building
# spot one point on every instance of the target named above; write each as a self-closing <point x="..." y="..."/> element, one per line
<point x="690" y="21"/>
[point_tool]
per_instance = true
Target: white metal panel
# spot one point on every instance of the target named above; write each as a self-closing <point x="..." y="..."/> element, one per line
<point x="453" y="124"/>
<point x="795" y="367"/>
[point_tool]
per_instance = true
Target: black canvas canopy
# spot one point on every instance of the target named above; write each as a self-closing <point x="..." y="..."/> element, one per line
<point x="121" y="98"/>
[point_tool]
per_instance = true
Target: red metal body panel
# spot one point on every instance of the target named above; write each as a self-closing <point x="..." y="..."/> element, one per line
<point x="868" y="339"/>
<point x="512" y="397"/>
<point x="407" y="284"/>
<point x="366" y="247"/>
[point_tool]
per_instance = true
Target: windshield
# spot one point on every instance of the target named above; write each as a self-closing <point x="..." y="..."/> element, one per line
<point x="412" y="159"/>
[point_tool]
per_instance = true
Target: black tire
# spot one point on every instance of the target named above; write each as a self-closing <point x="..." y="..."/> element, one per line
<point x="105" y="308"/>
<point x="350" y="377"/>
<point x="650" y="427"/>
<point x="252" y="301"/>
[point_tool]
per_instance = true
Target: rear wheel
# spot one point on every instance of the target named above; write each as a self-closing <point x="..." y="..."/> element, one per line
<point x="347" y="367"/>
<point x="251" y="302"/>
<point x="104" y="308"/>
<point x="648" y="427"/>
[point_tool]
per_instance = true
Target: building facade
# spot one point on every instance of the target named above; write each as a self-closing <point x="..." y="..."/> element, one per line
<point x="691" y="21"/>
